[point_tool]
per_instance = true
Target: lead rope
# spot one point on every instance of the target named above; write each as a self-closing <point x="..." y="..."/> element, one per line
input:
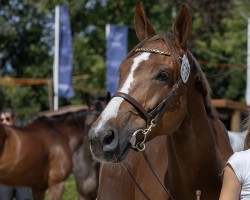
<point x="136" y="184"/>
<point x="152" y="169"/>
<point x="198" y="192"/>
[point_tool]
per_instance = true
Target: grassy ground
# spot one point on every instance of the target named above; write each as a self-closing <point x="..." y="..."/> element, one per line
<point x="70" y="192"/>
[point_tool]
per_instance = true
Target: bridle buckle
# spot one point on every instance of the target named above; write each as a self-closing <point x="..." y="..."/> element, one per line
<point x="140" y="144"/>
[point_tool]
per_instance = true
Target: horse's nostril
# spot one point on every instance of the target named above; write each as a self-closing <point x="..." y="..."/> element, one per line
<point x="109" y="138"/>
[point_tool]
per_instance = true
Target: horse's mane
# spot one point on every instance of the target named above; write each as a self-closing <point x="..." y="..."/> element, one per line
<point x="72" y="116"/>
<point x="200" y="79"/>
<point x="203" y="87"/>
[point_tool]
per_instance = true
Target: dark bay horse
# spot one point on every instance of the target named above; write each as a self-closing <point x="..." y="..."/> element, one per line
<point x="85" y="168"/>
<point x="86" y="173"/>
<point x="163" y="91"/>
<point x="40" y="154"/>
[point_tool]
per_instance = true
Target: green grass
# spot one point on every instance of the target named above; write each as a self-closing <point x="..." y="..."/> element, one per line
<point x="70" y="192"/>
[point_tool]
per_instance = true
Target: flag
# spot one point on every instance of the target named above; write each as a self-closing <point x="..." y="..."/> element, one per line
<point x="62" y="68"/>
<point x="116" y="50"/>
<point x="65" y="56"/>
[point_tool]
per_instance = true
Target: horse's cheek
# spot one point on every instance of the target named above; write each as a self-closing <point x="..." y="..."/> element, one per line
<point x="174" y="116"/>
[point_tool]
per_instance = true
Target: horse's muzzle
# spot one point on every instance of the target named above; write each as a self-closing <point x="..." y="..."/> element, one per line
<point x="104" y="144"/>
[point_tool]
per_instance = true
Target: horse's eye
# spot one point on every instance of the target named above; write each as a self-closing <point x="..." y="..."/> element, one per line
<point x="163" y="76"/>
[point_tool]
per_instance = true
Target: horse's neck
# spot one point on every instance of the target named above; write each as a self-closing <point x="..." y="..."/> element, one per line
<point x="72" y="132"/>
<point x="200" y="132"/>
<point x="208" y="131"/>
<point x="191" y="138"/>
<point x="197" y="150"/>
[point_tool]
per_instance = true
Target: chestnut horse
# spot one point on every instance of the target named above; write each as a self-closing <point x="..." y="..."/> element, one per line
<point x="39" y="155"/>
<point x="163" y="91"/>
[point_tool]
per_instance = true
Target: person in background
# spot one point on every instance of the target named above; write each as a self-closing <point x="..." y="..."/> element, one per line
<point x="236" y="177"/>
<point x="8" y="117"/>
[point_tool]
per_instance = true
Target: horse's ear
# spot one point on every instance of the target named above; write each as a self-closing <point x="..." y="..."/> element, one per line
<point x="108" y="97"/>
<point x="98" y="106"/>
<point x="143" y="27"/>
<point x="182" y="27"/>
<point x="87" y="100"/>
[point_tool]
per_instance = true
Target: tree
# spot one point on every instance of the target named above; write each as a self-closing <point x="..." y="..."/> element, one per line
<point x="27" y="37"/>
<point x="24" y="52"/>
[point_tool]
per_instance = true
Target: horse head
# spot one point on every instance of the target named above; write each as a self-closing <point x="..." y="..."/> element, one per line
<point x="152" y="94"/>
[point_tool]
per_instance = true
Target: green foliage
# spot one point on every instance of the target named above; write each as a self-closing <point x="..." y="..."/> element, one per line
<point x="218" y="39"/>
<point x="225" y="54"/>
<point x="23" y="99"/>
<point x="70" y="192"/>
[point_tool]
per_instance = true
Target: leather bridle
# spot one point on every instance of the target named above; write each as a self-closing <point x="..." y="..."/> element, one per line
<point x="139" y="137"/>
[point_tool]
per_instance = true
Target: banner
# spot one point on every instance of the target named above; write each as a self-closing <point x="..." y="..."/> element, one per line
<point x="116" y="50"/>
<point x="65" y="56"/>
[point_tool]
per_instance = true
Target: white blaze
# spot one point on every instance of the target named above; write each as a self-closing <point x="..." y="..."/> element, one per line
<point x="112" y="108"/>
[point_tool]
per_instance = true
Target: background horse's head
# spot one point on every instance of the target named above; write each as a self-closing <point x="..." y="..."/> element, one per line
<point x="152" y="93"/>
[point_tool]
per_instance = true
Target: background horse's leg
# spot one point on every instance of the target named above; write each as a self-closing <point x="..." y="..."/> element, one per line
<point x="56" y="191"/>
<point x="86" y="184"/>
<point x="38" y="194"/>
<point x="86" y="171"/>
<point x="87" y="188"/>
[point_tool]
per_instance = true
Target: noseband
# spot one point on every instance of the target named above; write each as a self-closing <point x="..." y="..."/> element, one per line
<point x="139" y="137"/>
